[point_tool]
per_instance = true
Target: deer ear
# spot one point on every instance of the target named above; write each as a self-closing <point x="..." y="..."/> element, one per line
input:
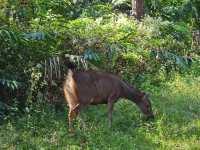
<point x="143" y="93"/>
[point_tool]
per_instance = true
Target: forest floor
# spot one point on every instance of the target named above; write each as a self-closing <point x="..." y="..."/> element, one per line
<point x="176" y="126"/>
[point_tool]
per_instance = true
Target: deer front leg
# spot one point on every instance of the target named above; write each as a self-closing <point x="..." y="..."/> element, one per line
<point x="110" y="109"/>
<point x="111" y="100"/>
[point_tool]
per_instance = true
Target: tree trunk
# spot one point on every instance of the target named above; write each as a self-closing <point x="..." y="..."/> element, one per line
<point x="138" y="8"/>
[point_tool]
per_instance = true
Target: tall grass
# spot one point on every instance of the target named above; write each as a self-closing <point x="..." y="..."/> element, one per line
<point x="177" y="124"/>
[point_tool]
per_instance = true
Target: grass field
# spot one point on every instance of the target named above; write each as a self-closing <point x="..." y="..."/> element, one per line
<point x="176" y="127"/>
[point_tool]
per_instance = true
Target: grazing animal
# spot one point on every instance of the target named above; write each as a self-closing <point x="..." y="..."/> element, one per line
<point x="92" y="88"/>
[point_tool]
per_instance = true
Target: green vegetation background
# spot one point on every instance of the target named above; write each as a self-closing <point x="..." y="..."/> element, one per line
<point x="159" y="54"/>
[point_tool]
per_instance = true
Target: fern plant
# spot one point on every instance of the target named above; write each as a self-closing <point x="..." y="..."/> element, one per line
<point x="10" y="84"/>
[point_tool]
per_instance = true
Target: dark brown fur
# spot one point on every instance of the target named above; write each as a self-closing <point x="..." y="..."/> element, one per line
<point x="92" y="87"/>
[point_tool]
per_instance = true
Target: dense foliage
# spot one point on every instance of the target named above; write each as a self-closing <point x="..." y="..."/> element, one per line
<point x="40" y="39"/>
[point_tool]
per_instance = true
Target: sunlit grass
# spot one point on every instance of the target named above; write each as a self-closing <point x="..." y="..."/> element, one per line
<point x="177" y="124"/>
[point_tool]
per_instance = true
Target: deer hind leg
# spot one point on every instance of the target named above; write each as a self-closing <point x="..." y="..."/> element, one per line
<point x="73" y="112"/>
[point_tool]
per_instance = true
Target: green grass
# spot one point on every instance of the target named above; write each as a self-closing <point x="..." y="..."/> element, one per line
<point x="177" y="124"/>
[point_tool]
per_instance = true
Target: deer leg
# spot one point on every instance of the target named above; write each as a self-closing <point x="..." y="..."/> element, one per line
<point x="110" y="109"/>
<point x="82" y="122"/>
<point x="111" y="100"/>
<point x="73" y="112"/>
<point x="70" y="118"/>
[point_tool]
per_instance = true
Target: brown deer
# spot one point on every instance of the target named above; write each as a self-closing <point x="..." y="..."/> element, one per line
<point x="92" y="87"/>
